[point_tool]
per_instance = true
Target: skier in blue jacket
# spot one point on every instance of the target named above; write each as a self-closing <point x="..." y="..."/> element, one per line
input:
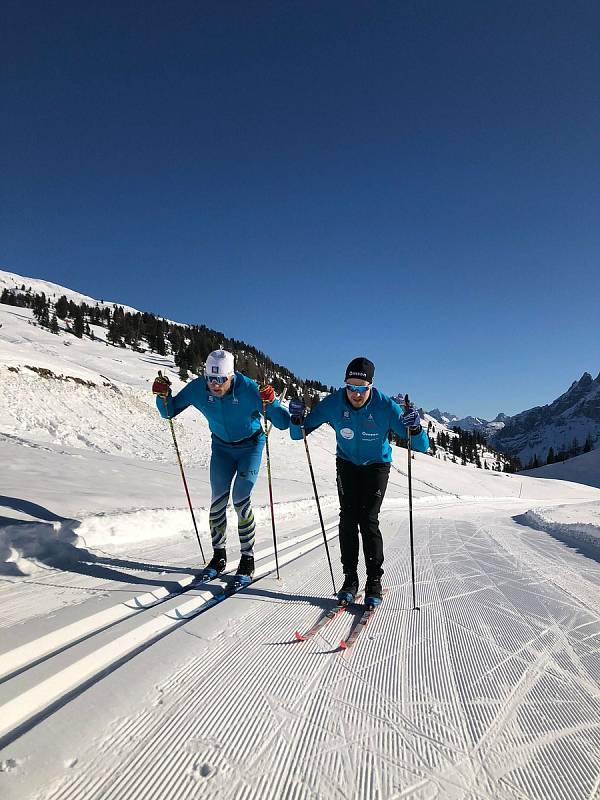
<point x="362" y="418"/>
<point x="232" y="405"/>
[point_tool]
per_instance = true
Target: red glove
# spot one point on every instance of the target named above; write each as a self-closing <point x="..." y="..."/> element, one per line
<point x="161" y="385"/>
<point x="267" y="393"/>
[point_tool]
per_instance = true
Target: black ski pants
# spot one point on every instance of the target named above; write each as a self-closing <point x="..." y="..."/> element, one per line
<point x="361" y="490"/>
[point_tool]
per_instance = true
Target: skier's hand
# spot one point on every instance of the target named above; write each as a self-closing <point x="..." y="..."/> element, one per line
<point x="161" y="385"/>
<point x="267" y="393"/>
<point x="297" y="411"/>
<point x="411" y="419"/>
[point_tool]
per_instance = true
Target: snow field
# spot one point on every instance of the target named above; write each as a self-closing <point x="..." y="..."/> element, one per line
<point x="488" y="692"/>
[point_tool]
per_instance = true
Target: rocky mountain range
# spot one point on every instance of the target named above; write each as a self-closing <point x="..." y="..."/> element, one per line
<point x="565" y="425"/>
<point x="486" y="427"/>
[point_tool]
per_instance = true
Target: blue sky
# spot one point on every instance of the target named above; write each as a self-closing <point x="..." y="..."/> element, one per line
<point x="418" y="182"/>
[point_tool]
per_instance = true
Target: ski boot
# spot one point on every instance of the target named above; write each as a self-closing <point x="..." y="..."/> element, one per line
<point x="245" y="570"/>
<point x="373" y="593"/>
<point x="347" y="594"/>
<point x="216" y="565"/>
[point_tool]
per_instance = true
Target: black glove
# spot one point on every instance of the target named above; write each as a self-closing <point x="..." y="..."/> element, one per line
<point x="297" y="411"/>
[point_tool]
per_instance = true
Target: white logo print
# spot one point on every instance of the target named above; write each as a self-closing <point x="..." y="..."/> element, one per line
<point x="347" y="433"/>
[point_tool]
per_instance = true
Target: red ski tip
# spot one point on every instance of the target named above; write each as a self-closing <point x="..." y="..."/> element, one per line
<point x="343" y="645"/>
<point x="299" y="636"/>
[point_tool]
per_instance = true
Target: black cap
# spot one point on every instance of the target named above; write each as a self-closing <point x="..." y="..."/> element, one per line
<point x="361" y="368"/>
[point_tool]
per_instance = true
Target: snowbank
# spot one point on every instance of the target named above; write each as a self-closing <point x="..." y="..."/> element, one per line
<point x="576" y="524"/>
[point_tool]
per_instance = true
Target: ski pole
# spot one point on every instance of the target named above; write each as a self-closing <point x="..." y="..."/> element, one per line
<point x="410" y="513"/>
<point x="270" y="488"/>
<point x="312" y="476"/>
<point x="189" y="499"/>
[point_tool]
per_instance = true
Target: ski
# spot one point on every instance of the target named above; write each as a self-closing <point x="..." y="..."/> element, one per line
<point x="367" y="615"/>
<point x="325" y="618"/>
<point x="234" y="584"/>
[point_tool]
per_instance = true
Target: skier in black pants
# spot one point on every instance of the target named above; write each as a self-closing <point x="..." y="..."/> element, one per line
<point x="362" y="418"/>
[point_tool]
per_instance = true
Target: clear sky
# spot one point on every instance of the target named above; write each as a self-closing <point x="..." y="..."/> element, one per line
<point x="418" y="182"/>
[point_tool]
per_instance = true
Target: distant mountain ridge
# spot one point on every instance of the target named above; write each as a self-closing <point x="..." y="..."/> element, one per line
<point x="444" y="417"/>
<point x="570" y="420"/>
<point x="483" y="426"/>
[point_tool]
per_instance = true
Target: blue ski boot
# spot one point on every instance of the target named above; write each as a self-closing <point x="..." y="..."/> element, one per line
<point x="347" y="594"/>
<point x="245" y="570"/>
<point x="216" y="565"/>
<point x="373" y="592"/>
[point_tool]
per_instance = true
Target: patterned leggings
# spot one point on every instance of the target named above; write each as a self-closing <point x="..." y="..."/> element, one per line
<point x="227" y="462"/>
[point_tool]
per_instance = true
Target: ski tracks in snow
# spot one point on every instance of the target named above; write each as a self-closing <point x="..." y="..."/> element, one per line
<point x="490" y="692"/>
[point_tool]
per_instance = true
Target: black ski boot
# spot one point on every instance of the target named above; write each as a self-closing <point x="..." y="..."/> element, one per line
<point x="245" y="569"/>
<point x="373" y="592"/>
<point x="347" y="593"/>
<point x="217" y="564"/>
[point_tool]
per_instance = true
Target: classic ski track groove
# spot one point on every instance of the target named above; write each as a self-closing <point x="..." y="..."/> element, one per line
<point x="13" y="661"/>
<point x="387" y="723"/>
<point x="32" y="703"/>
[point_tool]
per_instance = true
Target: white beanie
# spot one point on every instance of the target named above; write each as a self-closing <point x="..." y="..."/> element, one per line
<point x="219" y="363"/>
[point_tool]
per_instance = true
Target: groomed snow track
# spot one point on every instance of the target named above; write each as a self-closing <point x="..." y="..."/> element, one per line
<point x="28" y="706"/>
<point x="490" y="692"/>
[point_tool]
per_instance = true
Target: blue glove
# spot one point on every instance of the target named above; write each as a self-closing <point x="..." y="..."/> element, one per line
<point x="411" y="418"/>
<point x="297" y="411"/>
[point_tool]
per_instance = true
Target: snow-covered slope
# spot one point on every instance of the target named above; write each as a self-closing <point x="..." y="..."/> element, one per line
<point x="14" y="282"/>
<point x="581" y="469"/>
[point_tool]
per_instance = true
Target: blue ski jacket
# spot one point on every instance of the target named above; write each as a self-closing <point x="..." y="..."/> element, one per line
<point x="362" y="433"/>
<point x="232" y="418"/>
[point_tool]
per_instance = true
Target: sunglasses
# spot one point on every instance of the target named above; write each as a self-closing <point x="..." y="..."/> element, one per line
<point x="360" y="389"/>
<point x="220" y="379"/>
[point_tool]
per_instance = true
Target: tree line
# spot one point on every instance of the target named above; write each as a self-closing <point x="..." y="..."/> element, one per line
<point x="142" y="331"/>
<point x="555" y="456"/>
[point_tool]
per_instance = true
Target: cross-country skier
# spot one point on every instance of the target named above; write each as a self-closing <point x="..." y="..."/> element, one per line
<point x="233" y="405"/>
<point x="362" y="417"/>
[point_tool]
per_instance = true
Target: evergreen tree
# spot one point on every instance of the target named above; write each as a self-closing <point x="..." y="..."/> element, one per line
<point x="54" y="324"/>
<point x="78" y="324"/>
<point x="183" y="371"/>
<point x="62" y="307"/>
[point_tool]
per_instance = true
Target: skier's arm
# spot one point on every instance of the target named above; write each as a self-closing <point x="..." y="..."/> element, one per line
<point x="275" y="412"/>
<point x="320" y="414"/>
<point x="170" y="406"/>
<point x="403" y="422"/>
